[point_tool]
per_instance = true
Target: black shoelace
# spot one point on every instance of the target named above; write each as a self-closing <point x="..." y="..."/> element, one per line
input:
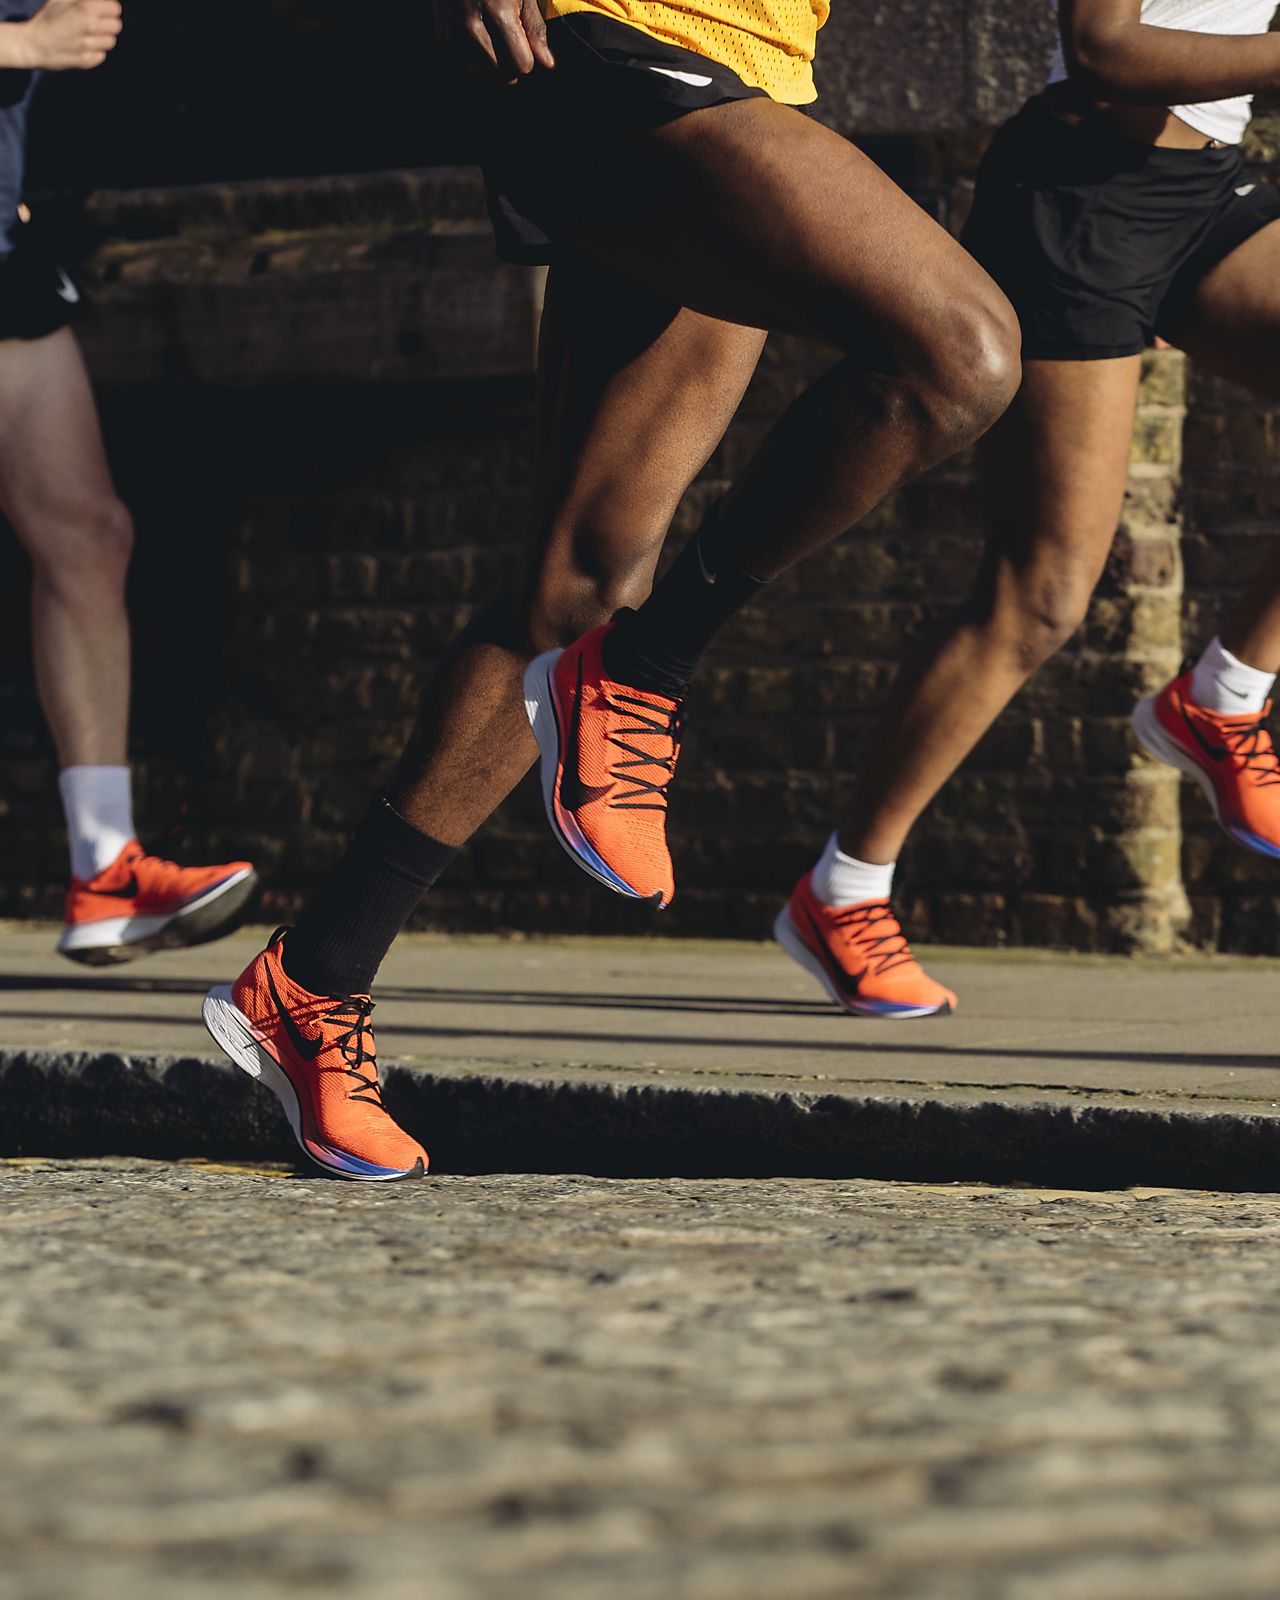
<point x="1251" y="743"/>
<point x="884" y="950"/>
<point x="667" y="725"/>
<point x="356" y="1046"/>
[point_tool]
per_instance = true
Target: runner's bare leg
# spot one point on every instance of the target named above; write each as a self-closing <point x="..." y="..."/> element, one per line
<point x="1232" y="329"/>
<point x="634" y="395"/>
<point x="56" y="491"/>
<point x="1053" y="473"/>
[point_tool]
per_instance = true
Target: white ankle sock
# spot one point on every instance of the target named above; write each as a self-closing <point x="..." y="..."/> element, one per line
<point x="1221" y="683"/>
<point x="98" y="802"/>
<point x="841" y="880"/>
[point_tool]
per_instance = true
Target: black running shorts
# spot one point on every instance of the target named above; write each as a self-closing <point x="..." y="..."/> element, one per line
<point x="547" y="137"/>
<point x="37" y="294"/>
<point x="1098" y="241"/>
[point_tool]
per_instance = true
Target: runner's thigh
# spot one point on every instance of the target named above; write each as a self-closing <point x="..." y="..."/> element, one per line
<point x="753" y="213"/>
<point x="1232" y="326"/>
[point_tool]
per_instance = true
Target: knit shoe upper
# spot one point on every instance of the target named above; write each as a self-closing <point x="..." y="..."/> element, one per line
<point x="138" y="885"/>
<point x="860" y="955"/>
<point x="1230" y="756"/>
<point x="324" y="1046"/>
<point x="141" y="903"/>
<point x="609" y="753"/>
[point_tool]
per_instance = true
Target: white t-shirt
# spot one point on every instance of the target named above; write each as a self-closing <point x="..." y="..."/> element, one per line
<point x="1216" y="119"/>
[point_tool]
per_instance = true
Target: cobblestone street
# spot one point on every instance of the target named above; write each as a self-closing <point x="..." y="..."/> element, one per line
<point x="218" y="1381"/>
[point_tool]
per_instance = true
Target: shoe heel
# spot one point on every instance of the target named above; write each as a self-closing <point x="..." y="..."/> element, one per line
<point x="230" y="1031"/>
<point x="787" y="935"/>
<point x="1156" y="742"/>
<point x="538" y="706"/>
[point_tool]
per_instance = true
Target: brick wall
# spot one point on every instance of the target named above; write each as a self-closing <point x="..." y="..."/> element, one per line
<point x="317" y="400"/>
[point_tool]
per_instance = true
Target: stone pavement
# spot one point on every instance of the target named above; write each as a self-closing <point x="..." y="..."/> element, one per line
<point x="218" y="1382"/>
<point x="652" y="1058"/>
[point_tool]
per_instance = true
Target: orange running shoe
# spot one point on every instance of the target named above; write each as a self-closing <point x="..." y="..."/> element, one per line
<point x="141" y="903"/>
<point x="860" y="956"/>
<point x="1230" y="757"/>
<point x="608" y="753"/>
<point x="317" y="1055"/>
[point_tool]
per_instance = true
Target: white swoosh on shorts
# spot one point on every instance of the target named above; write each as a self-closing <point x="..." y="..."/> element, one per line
<point x="66" y="289"/>
<point x="1246" y="188"/>
<point x="695" y="79"/>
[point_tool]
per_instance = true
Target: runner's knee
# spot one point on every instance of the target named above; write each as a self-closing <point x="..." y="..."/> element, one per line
<point x="588" y="577"/>
<point x="84" y="549"/>
<point x="970" y="370"/>
<point x="1037" y="612"/>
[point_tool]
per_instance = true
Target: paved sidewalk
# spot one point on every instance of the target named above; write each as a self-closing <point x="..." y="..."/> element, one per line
<point x="639" y="1055"/>
<point x="222" y="1383"/>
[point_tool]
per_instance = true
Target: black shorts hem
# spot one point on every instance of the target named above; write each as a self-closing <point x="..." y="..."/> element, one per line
<point x="1220" y="244"/>
<point x="1082" y="352"/>
<point x="611" y="77"/>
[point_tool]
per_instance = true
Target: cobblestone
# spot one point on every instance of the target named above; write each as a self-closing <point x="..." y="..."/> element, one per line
<point x="220" y="1381"/>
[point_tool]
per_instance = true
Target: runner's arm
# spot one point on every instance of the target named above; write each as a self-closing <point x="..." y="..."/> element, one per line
<point x="61" y="36"/>
<point x="1114" y="55"/>
<point x="498" y="39"/>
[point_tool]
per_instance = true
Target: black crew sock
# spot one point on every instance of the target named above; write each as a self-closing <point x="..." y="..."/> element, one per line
<point x="342" y="936"/>
<point x="657" y="647"/>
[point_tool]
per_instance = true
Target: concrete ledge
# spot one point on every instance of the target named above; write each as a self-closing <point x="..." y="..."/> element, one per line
<point x="636" y="1057"/>
<point x="165" y="1106"/>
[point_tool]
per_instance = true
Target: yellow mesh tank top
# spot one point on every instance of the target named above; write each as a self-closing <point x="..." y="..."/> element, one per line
<point x="768" y="43"/>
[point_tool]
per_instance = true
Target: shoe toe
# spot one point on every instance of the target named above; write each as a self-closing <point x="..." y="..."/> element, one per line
<point x="917" y="991"/>
<point x="404" y="1154"/>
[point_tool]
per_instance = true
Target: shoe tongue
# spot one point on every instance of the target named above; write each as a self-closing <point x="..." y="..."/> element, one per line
<point x="657" y="698"/>
<point x="352" y="1005"/>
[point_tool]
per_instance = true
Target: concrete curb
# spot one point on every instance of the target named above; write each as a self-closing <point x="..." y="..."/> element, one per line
<point x="165" y="1106"/>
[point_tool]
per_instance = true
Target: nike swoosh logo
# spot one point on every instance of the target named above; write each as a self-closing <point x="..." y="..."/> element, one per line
<point x="694" y="79"/>
<point x="127" y="891"/>
<point x="574" y="794"/>
<point x="307" y="1048"/>
<point x="66" y="289"/>
<point x="1246" y="188"/>
<point x="1214" y="752"/>
<point x="845" y="980"/>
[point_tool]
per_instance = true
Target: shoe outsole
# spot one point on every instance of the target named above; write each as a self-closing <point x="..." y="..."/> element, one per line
<point x="540" y="708"/>
<point x="212" y="915"/>
<point x="232" y="1031"/>
<point x="1156" y="742"/>
<point x="794" y="943"/>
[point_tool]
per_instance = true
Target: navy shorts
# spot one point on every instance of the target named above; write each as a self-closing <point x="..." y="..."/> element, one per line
<point x="1099" y="242"/>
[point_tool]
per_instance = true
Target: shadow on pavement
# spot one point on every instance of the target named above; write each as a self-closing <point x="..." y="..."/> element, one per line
<point x="712" y="1004"/>
<point x="933" y="1046"/>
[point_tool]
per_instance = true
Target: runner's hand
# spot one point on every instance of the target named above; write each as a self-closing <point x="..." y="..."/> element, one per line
<point x="502" y="39"/>
<point x="66" y="34"/>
